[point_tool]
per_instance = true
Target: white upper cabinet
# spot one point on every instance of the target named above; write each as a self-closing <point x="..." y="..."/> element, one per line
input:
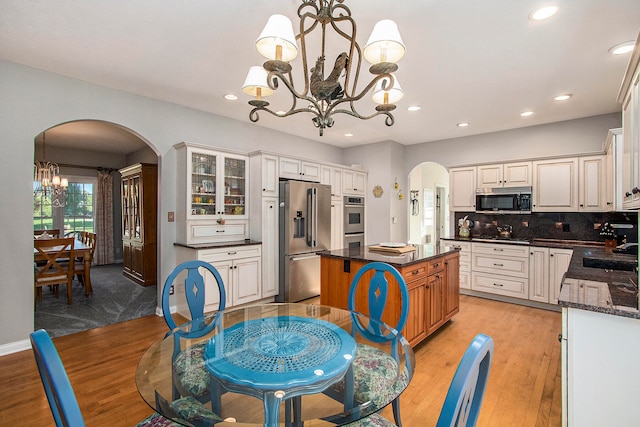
<point x="555" y="185"/>
<point x="354" y="182"/>
<point x="630" y="98"/>
<point x="504" y="175"/>
<point x="592" y="173"/>
<point x="299" y="169"/>
<point x="462" y="189"/>
<point x="332" y="176"/>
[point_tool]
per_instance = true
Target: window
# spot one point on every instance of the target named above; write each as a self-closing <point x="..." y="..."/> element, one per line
<point x="77" y="213"/>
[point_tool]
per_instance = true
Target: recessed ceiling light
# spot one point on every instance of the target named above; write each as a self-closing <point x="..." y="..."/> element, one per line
<point x="526" y="113"/>
<point x="563" y="97"/>
<point x="462" y="124"/>
<point x="543" y="13"/>
<point x="621" y="48"/>
<point x="230" y="97"/>
<point x="348" y="134"/>
<point x="414" y="108"/>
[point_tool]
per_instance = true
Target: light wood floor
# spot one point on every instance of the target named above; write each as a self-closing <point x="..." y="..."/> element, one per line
<point x="523" y="390"/>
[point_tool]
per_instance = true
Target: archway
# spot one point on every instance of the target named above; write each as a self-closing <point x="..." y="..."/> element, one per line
<point x="82" y="149"/>
<point x="428" y="203"/>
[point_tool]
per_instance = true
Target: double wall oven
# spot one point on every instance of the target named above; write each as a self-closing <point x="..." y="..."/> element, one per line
<point x="353" y="222"/>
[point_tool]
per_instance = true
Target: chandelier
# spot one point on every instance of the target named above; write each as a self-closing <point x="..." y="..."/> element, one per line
<point x="46" y="176"/>
<point x="336" y="91"/>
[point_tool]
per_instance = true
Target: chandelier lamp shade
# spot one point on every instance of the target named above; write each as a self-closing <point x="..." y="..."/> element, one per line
<point x="46" y="176"/>
<point x="330" y="86"/>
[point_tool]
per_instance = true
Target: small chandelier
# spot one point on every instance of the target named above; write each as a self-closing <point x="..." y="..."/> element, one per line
<point x="47" y="178"/>
<point x="335" y="92"/>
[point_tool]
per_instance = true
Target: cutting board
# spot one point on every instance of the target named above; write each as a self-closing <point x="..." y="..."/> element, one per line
<point x="401" y="250"/>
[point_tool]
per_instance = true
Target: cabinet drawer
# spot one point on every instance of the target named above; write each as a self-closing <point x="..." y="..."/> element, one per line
<point x="435" y="265"/>
<point x="216" y="233"/>
<point x="465" y="266"/>
<point x="465" y="280"/>
<point x="229" y="253"/>
<point x="518" y="267"/>
<point x="500" y="250"/>
<point x="414" y="272"/>
<point x="465" y="257"/>
<point x="501" y="285"/>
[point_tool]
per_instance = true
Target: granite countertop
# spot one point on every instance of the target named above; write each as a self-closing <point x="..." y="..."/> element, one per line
<point x="622" y="285"/>
<point x="246" y="242"/>
<point x="422" y="253"/>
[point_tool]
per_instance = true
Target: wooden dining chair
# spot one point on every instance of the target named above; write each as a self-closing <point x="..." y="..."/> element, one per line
<point x="462" y="404"/>
<point x="48" y="234"/>
<point x="65" y="408"/>
<point x="88" y="239"/>
<point x="190" y="377"/>
<point x="55" y="265"/>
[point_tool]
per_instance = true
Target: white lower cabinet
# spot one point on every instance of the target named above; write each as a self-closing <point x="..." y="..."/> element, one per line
<point x="539" y="274"/>
<point x="269" y="238"/>
<point x="559" y="260"/>
<point x="500" y="269"/>
<point x="465" y="260"/>
<point x="240" y="268"/>
<point x="600" y="374"/>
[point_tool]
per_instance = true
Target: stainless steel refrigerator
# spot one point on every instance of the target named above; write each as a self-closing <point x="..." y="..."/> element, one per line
<point x="305" y="228"/>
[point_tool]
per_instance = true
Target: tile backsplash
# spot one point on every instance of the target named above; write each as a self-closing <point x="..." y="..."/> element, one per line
<point x="564" y="226"/>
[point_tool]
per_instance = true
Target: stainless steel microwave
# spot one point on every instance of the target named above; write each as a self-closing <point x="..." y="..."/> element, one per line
<point x="515" y="200"/>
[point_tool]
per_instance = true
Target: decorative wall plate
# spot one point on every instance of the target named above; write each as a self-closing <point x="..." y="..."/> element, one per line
<point x="377" y="191"/>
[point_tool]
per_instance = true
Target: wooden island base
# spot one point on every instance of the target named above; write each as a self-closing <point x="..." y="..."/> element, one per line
<point x="431" y="274"/>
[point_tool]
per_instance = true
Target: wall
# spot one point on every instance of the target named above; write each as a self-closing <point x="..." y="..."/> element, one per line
<point x="555" y="139"/>
<point x="33" y="100"/>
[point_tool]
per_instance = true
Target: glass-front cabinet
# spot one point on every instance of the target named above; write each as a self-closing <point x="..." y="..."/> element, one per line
<point x="218" y="184"/>
<point x="212" y="194"/>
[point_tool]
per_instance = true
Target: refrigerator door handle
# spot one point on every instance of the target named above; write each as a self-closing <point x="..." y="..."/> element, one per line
<point x="312" y="213"/>
<point x="300" y="258"/>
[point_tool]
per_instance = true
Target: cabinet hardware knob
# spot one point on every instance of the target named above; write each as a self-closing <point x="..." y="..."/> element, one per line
<point x="550" y="254"/>
<point x="635" y="190"/>
<point x="219" y="231"/>
<point x="498" y="265"/>
<point x="498" y="249"/>
<point x="232" y="253"/>
<point x="560" y="337"/>
<point x="498" y="284"/>
<point x="581" y="205"/>
<point x="264" y="189"/>
<point x="627" y="194"/>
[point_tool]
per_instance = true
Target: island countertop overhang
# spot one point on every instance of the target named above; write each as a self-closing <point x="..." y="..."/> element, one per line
<point x="421" y="254"/>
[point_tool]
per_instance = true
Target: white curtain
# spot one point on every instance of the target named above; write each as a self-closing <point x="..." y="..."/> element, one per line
<point x="104" y="253"/>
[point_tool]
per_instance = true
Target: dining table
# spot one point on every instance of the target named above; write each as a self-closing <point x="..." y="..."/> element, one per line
<point x="81" y="251"/>
<point x="277" y="364"/>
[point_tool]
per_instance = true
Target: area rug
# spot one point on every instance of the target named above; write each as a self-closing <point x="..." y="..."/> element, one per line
<point x="114" y="299"/>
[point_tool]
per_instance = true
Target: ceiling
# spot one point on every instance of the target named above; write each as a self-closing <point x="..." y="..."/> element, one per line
<point x="466" y="60"/>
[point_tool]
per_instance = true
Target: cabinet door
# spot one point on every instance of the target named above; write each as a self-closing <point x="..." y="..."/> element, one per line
<point x="246" y="280"/>
<point x="235" y="186"/>
<point x="416" y="328"/>
<point x="269" y="175"/>
<point x="310" y="171"/>
<point x="489" y="176"/>
<point x="462" y="189"/>
<point x="337" y="226"/>
<point x="353" y="182"/>
<point x="559" y="260"/>
<point x="592" y="180"/>
<point x="539" y="274"/>
<point x="269" y="247"/>
<point x="627" y="155"/>
<point x="205" y="196"/>
<point x="211" y="295"/>
<point x="435" y="306"/>
<point x="289" y="168"/>
<point x="333" y="177"/>
<point x="451" y="285"/>
<point x="555" y="186"/>
<point x="517" y="174"/>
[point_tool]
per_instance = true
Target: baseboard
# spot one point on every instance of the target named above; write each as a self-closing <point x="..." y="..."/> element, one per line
<point x="502" y="298"/>
<point x="14" y="347"/>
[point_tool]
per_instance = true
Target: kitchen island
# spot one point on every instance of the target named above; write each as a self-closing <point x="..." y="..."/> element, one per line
<point x="430" y="271"/>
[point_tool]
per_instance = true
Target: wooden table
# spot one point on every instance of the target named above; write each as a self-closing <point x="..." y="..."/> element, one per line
<point x="81" y="250"/>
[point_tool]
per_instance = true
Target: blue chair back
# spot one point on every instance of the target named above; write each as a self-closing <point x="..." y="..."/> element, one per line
<point x="194" y="293"/>
<point x="62" y="399"/>
<point x="378" y="293"/>
<point x="462" y="405"/>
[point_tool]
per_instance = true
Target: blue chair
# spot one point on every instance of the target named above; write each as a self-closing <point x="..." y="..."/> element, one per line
<point x="190" y="377"/>
<point x="462" y="405"/>
<point x="360" y="380"/>
<point x="62" y="399"/>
